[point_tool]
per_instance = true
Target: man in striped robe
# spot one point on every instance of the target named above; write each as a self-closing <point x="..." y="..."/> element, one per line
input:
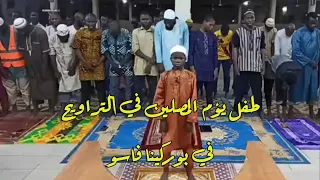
<point x="248" y="60"/>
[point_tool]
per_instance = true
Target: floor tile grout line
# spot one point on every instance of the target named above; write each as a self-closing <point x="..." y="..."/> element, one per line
<point x="30" y="172"/>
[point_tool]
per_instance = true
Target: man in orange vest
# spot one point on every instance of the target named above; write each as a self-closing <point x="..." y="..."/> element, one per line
<point x="15" y="79"/>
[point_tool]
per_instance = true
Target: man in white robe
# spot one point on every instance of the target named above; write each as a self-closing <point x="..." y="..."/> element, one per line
<point x="169" y="33"/>
<point x="62" y="51"/>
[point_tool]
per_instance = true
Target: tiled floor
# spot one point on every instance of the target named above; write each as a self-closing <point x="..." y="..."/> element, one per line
<point x="42" y="162"/>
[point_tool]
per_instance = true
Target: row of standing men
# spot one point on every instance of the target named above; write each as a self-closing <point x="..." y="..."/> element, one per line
<point x="78" y="55"/>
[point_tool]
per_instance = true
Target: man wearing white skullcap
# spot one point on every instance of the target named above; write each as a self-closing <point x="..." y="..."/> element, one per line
<point x="34" y="45"/>
<point x="176" y="128"/>
<point x="269" y="76"/>
<point x="168" y="33"/>
<point x="14" y="78"/>
<point x="62" y="52"/>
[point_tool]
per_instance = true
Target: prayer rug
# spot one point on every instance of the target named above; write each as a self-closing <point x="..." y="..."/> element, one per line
<point x="12" y="128"/>
<point x="148" y="173"/>
<point x="222" y="171"/>
<point x="302" y="133"/>
<point x="55" y="131"/>
<point x="229" y="139"/>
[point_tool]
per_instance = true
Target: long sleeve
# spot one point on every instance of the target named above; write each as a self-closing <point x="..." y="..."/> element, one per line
<point x="129" y="42"/>
<point x="277" y="44"/>
<point x="297" y="54"/>
<point x="185" y="36"/>
<point x="135" y="42"/>
<point x="193" y="117"/>
<point x="44" y="42"/>
<point x="215" y="50"/>
<point x="191" y="50"/>
<point x="51" y="46"/>
<point x="104" y="45"/>
<point x="159" y="97"/>
<point x="158" y="43"/>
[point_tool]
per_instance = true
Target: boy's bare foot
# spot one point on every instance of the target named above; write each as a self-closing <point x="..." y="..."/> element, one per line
<point x="165" y="175"/>
<point x="190" y="176"/>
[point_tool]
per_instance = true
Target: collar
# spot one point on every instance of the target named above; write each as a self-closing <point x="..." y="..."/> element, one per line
<point x="148" y="30"/>
<point x="253" y="27"/>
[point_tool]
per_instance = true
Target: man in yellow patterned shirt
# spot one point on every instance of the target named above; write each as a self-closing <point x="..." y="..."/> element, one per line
<point x="87" y="45"/>
<point x="224" y="36"/>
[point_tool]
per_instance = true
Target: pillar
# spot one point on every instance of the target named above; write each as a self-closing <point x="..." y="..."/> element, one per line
<point x="273" y="8"/>
<point x="312" y="5"/>
<point x="95" y="7"/>
<point x="4" y="9"/>
<point x="183" y="8"/>
<point x="130" y="11"/>
<point x="53" y="5"/>
<point x="117" y="10"/>
<point x="240" y="14"/>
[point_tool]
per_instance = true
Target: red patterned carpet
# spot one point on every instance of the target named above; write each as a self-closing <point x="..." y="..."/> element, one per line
<point x="16" y="126"/>
<point x="152" y="136"/>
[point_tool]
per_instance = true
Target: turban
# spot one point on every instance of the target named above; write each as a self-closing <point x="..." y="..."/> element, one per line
<point x="169" y="14"/>
<point x="270" y="22"/>
<point x="1" y="21"/>
<point x="62" y="30"/>
<point x="180" y="49"/>
<point x="20" y="23"/>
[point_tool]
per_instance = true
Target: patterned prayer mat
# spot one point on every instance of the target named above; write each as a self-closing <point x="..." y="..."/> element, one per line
<point x="16" y="126"/>
<point x="303" y="133"/>
<point x="229" y="139"/>
<point x="55" y="131"/>
<point x="222" y="171"/>
<point x="179" y="173"/>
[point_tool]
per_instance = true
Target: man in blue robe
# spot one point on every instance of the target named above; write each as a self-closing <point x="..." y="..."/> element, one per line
<point x="305" y="52"/>
<point x="203" y="56"/>
<point x="169" y="33"/>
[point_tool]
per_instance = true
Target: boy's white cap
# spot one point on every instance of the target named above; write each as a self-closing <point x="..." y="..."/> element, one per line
<point x="180" y="49"/>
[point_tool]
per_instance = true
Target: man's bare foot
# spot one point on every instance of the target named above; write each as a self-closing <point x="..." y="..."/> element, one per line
<point x="311" y="115"/>
<point x="190" y="176"/>
<point x="4" y="113"/>
<point x="318" y="115"/>
<point x="165" y="175"/>
<point x="35" y="112"/>
<point x="291" y="114"/>
<point x="14" y="108"/>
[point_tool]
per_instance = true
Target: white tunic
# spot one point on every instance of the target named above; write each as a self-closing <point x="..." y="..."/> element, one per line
<point x="282" y="44"/>
<point x="65" y="55"/>
<point x="72" y="29"/>
<point x="50" y="30"/>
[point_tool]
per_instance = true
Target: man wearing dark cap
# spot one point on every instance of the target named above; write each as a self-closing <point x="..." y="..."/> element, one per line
<point x="248" y="60"/>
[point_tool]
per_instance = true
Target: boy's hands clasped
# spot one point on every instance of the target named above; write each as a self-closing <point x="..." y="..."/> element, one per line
<point x="164" y="126"/>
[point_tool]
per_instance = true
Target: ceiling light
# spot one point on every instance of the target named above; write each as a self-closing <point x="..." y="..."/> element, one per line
<point x="124" y="1"/>
<point x="284" y="9"/>
<point x="246" y="3"/>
